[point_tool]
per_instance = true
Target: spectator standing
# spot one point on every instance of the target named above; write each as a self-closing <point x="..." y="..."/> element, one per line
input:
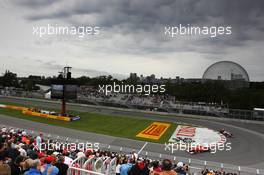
<point x="49" y="169"/>
<point x="11" y="152"/>
<point x="180" y="169"/>
<point x="118" y="167"/>
<point x="21" y="150"/>
<point x="63" y="168"/>
<point x="67" y="159"/>
<point x="34" y="168"/>
<point x="167" y="168"/>
<point x="39" y="141"/>
<point x="124" y="168"/>
<point x="4" y="168"/>
<point x="156" y="169"/>
<point x="140" y="168"/>
<point x="16" y="166"/>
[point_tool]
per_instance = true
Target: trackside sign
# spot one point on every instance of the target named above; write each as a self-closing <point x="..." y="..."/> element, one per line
<point x="154" y="131"/>
<point x="197" y="135"/>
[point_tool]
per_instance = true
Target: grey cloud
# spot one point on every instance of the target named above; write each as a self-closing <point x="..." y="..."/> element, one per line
<point x="34" y="3"/>
<point x="135" y="27"/>
<point x="136" y="15"/>
<point x="157" y="11"/>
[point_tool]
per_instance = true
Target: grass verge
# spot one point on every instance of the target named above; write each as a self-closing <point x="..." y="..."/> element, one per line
<point x="119" y="126"/>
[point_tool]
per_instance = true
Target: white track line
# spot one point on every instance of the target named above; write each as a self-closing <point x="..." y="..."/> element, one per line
<point x="142" y="147"/>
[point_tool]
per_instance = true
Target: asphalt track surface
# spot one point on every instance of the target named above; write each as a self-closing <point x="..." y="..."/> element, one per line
<point x="247" y="145"/>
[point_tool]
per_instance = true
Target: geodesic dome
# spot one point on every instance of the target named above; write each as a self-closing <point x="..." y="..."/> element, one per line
<point x="225" y="70"/>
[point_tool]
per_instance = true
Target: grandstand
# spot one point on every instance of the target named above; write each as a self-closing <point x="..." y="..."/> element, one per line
<point x="135" y="101"/>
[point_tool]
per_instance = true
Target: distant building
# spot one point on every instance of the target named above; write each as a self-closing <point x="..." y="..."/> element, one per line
<point x="133" y="76"/>
<point x="193" y="80"/>
<point x="232" y="74"/>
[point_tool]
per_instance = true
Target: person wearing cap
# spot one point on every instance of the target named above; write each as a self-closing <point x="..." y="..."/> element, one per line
<point x="24" y="133"/>
<point x="3" y="130"/>
<point x="41" y="157"/>
<point x="80" y="154"/>
<point x="89" y="153"/>
<point x="21" y="150"/>
<point x="25" y="140"/>
<point x="12" y="131"/>
<point x="211" y="172"/>
<point x="49" y="169"/>
<point x="140" y="168"/>
<point x="180" y="168"/>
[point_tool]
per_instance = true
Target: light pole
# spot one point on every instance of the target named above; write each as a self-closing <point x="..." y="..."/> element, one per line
<point x="65" y="75"/>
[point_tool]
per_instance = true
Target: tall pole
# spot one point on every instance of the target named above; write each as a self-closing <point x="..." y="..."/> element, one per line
<point x="63" y="102"/>
<point x="65" y="72"/>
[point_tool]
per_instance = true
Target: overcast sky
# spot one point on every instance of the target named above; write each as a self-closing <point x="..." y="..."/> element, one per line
<point x="132" y="37"/>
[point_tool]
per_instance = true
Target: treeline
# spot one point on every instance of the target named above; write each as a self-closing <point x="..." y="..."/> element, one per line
<point x="210" y="92"/>
<point x="246" y="98"/>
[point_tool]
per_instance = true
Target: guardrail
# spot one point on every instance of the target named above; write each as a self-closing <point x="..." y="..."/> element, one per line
<point x="80" y="171"/>
<point x="97" y="165"/>
<point x="196" y="165"/>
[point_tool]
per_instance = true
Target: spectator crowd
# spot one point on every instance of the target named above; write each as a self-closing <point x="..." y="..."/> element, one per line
<point x="20" y="155"/>
<point x="149" y="102"/>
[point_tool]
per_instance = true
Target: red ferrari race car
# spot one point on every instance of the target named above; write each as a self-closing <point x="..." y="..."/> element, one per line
<point x="198" y="149"/>
<point x="225" y="133"/>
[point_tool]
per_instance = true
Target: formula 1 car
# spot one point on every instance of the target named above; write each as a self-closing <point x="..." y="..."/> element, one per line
<point x="225" y="133"/>
<point x="198" y="149"/>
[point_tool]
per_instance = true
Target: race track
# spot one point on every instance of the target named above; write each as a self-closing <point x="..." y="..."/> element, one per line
<point x="246" y="146"/>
